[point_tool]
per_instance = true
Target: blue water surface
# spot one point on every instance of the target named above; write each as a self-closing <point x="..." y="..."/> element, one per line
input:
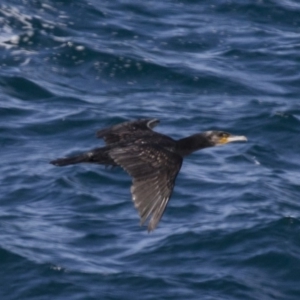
<point x="232" y="228"/>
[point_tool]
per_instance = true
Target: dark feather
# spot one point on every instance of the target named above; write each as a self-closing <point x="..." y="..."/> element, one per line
<point x="154" y="170"/>
<point x="127" y="130"/>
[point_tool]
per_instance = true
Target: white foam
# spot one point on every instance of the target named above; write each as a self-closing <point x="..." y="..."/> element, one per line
<point x="79" y="48"/>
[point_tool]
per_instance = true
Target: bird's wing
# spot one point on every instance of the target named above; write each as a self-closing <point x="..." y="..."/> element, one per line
<point x="154" y="171"/>
<point x="125" y="131"/>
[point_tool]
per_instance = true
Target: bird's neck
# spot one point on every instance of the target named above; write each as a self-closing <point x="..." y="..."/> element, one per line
<point x="192" y="143"/>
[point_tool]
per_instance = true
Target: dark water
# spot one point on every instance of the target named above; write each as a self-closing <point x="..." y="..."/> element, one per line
<point x="232" y="228"/>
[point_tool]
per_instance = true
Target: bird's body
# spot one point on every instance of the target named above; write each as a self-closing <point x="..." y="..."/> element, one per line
<point x="152" y="159"/>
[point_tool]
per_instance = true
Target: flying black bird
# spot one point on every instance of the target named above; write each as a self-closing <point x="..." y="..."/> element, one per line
<point x="152" y="159"/>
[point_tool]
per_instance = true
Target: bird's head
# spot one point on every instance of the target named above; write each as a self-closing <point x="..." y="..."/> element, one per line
<point x="217" y="138"/>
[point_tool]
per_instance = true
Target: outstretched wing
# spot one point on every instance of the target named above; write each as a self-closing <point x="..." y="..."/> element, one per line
<point x="125" y="131"/>
<point x="154" y="171"/>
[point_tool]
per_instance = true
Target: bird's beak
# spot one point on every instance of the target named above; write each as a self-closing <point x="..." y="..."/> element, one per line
<point x="234" y="138"/>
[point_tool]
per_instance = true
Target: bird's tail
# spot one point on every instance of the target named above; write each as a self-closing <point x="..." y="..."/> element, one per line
<point x="69" y="160"/>
<point x="98" y="156"/>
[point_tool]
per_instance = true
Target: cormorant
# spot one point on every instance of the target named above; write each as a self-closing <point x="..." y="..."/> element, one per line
<point x="152" y="159"/>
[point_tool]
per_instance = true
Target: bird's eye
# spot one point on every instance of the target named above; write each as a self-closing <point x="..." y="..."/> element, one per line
<point x="223" y="135"/>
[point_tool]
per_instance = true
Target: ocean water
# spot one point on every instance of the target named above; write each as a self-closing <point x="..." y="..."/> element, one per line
<point x="232" y="228"/>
